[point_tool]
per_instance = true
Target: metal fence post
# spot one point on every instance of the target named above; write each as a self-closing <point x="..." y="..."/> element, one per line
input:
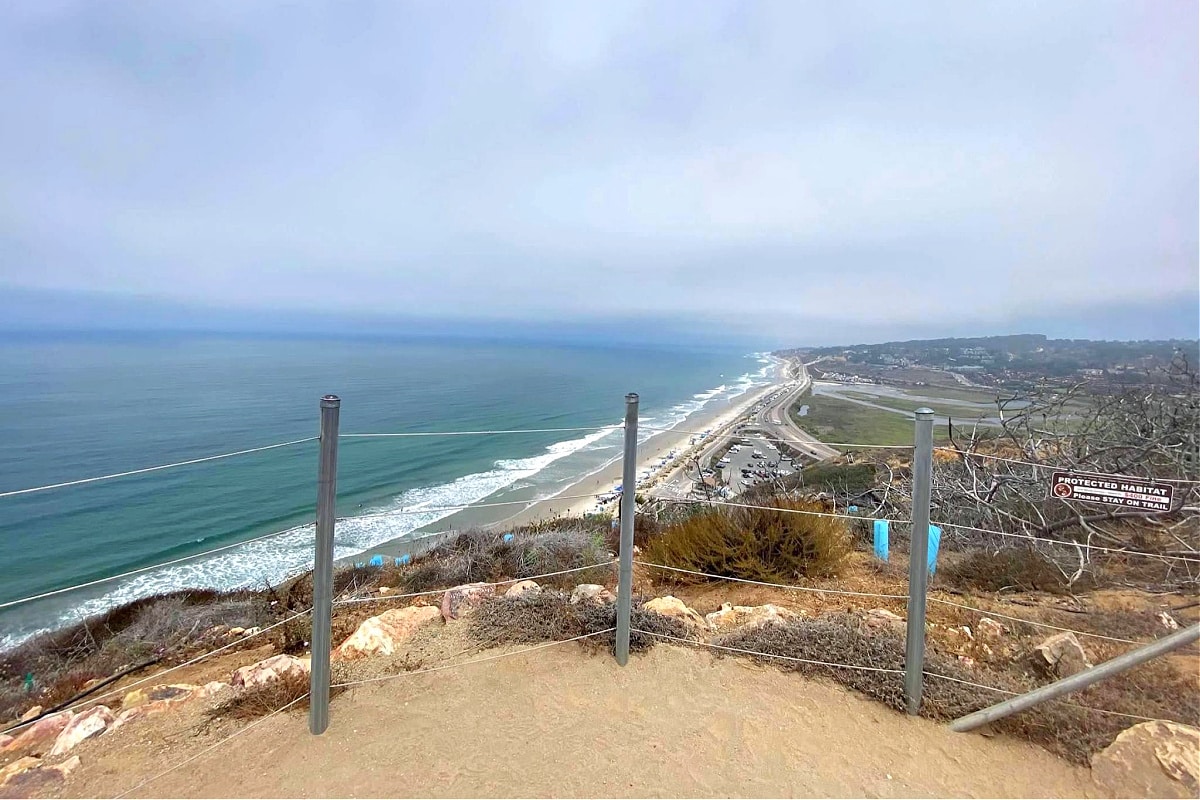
<point x="628" y="506"/>
<point x="918" y="557"/>
<point x="322" y="611"/>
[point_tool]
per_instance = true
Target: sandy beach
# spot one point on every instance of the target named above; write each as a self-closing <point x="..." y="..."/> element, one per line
<point x="683" y="440"/>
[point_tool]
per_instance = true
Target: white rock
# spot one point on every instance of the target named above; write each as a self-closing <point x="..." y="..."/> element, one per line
<point x="675" y="608"/>
<point x="1062" y="655"/>
<point x="269" y="670"/>
<point x="524" y="589"/>
<point x="1168" y="621"/>
<point x="251" y="632"/>
<point x="989" y="630"/>
<point x="1151" y="759"/>
<point x="591" y="593"/>
<point x="882" y="618"/>
<point x="40" y="735"/>
<point x="730" y="616"/>
<point x="384" y="634"/>
<point x="462" y="600"/>
<point x="84" y="726"/>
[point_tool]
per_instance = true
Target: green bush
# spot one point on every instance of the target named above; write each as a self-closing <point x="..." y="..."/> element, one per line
<point x="765" y="544"/>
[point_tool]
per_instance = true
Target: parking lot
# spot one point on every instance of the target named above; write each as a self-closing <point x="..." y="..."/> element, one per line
<point x="745" y="469"/>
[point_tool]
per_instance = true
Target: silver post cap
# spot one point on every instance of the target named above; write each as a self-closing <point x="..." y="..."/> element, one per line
<point x="924" y="412"/>
<point x="330" y="401"/>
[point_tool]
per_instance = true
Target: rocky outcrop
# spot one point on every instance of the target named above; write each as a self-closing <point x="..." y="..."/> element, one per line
<point x="730" y="616"/>
<point x="40" y="736"/>
<point x="163" y="693"/>
<point x="268" y="671"/>
<point x="29" y="776"/>
<point x="1151" y="759"/>
<point x="462" y="600"/>
<point x="31" y="713"/>
<point x="989" y="630"/>
<point x="4" y="741"/>
<point x="674" y="608"/>
<point x="92" y="722"/>
<point x="1061" y="655"/>
<point x="881" y="618"/>
<point x="592" y="593"/>
<point x="384" y="634"/>
<point x="524" y="589"/>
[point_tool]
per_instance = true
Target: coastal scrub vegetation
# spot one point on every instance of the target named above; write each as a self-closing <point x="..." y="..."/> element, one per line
<point x="51" y="669"/>
<point x="550" y="616"/>
<point x="781" y="543"/>
<point x="1065" y="728"/>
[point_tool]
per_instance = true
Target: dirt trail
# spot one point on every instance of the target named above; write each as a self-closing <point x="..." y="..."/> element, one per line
<point x="568" y="722"/>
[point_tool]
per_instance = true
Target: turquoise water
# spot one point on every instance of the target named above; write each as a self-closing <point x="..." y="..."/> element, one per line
<point x="75" y="409"/>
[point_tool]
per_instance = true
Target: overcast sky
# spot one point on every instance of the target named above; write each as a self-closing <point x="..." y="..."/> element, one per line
<point x="910" y="166"/>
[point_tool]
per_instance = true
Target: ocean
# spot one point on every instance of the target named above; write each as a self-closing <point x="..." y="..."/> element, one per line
<point x="79" y="408"/>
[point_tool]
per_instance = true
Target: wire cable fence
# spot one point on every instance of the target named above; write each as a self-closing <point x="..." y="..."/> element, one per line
<point x="1048" y="465"/>
<point x="417" y="510"/>
<point x="145" y="470"/>
<point x="386" y="598"/>
<point x="1069" y="543"/>
<point x="1024" y="621"/>
<point x="866" y="668"/>
<point x="419" y="434"/>
<point x="152" y="567"/>
<point x="789" y="587"/>
<point x="213" y="746"/>
<point x="350" y="685"/>
<point x="766" y="437"/>
<point x="493" y="657"/>
<point x="884" y="596"/>
<point x="324" y="602"/>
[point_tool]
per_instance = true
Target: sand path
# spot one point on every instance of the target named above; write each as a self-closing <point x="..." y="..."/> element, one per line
<point x="566" y="721"/>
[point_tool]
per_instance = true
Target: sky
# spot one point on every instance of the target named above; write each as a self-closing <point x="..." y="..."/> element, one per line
<point x="793" y="172"/>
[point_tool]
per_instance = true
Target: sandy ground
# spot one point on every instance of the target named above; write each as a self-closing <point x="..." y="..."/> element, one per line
<point x="567" y="721"/>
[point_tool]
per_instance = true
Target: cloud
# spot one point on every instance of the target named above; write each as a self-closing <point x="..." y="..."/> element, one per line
<point x="517" y="159"/>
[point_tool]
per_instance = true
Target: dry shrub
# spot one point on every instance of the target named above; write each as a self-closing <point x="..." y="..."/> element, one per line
<point x="1019" y="567"/>
<point x="165" y="626"/>
<point x="764" y="544"/>
<point x="1062" y="727"/>
<point x="550" y="616"/>
<point x="258" y="701"/>
<point x="483" y="556"/>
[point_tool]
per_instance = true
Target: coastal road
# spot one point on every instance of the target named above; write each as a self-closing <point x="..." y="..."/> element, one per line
<point x="770" y="416"/>
<point x="775" y="420"/>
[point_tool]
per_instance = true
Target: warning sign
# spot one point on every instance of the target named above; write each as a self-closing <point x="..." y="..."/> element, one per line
<point x="1112" y="490"/>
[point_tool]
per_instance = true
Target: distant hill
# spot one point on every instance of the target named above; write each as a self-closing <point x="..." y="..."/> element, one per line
<point x="1017" y="356"/>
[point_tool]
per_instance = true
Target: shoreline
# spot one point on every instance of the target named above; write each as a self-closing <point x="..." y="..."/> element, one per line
<point x="685" y="443"/>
